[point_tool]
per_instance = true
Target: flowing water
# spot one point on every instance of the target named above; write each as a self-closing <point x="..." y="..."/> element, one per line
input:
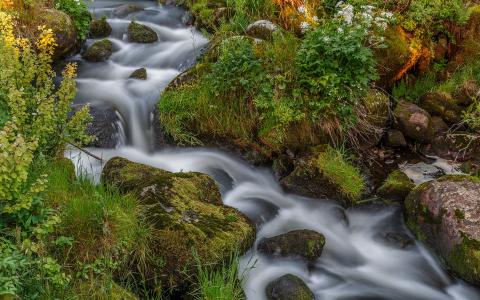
<point x="363" y="258"/>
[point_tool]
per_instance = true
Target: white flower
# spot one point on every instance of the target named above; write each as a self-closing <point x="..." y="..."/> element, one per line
<point x="304" y="26"/>
<point x="315" y="19"/>
<point x="340" y="30"/>
<point x="302" y="9"/>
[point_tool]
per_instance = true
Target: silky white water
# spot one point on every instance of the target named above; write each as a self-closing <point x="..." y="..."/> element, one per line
<point x="359" y="261"/>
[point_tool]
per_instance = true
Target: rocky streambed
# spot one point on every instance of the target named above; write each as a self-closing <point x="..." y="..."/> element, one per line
<point x="296" y="245"/>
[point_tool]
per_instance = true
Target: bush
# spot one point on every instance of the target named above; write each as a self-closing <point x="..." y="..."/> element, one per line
<point x="78" y="10"/>
<point x="335" y="67"/>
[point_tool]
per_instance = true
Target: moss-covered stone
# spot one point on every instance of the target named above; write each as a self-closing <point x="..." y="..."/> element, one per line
<point x="140" y="74"/>
<point x="288" y="287"/>
<point x="442" y="105"/>
<point x="445" y="214"/>
<point x="413" y="121"/>
<point x="100" y="289"/>
<point x="305" y="244"/>
<point x="99" y="51"/>
<point x="100" y="28"/>
<point x="396" y="187"/>
<point x="324" y="173"/>
<point x="186" y="213"/>
<point x="140" y="33"/>
<point x="63" y="28"/>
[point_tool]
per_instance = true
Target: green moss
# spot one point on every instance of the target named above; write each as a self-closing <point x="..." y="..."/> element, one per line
<point x="140" y="33"/>
<point x="99" y="51"/>
<point x="396" y="187"/>
<point x="100" y="28"/>
<point x="464" y="259"/>
<point x="346" y="177"/>
<point x="460" y="214"/>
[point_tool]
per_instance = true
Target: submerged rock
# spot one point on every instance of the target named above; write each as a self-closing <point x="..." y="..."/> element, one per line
<point x="442" y="105"/>
<point x="99" y="51"/>
<point x="140" y="33"/>
<point x="139" y="74"/>
<point x="185" y="212"/>
<point x="396" y="187"/>
<point x="288" y="287"/>
<point x="124" y="10"/>
<point x="261" y="29"/>
<point x="104" y="126"/>
<point x="63" y="28"/>
<point x="100" y="28"/>
<point x="305" y="244"/>
<point x="413" y="121"/>
<point x="445" y="214"/>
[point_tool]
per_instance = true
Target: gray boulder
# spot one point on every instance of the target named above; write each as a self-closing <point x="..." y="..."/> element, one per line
<point x="261" y="29"/>
<point x="413" y="121"/>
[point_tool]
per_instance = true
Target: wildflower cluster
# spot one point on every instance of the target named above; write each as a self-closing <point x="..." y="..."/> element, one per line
<point x="302" y="14"/>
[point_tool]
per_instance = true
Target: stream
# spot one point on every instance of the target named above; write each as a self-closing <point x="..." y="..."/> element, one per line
<point x="360" y="259"/>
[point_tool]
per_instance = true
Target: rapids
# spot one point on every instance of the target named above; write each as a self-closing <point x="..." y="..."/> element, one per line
<point x="359" y="261"/>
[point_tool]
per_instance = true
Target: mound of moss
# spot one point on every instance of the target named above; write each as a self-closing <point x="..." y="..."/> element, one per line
<point x="100" y="28"/>
<point x="99" y="51"/>
<point x="396" y="187"/>
<point x="186" y="216"/>
<point x="140" y="33"/>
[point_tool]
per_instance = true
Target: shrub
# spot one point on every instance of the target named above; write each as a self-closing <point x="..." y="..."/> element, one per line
<point x="78" y="10"/>
<point x="335" y="65"/>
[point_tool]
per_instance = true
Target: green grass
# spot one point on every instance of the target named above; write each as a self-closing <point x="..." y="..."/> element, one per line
<point x="341" y="173"/>
<point x="219" y="282"/>
<point x="413" y="91"/>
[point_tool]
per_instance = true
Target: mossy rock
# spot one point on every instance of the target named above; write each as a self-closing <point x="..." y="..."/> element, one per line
<point x="460" y="146"/>
<point x="413" y="121"/>
<point x="63" y="28"/>
<point x="288" y="287"/>
<point x="186" y="213"/>
<point x="140" y="74"/>
<point x="140" y="33"/>
<point x="100" y="28"/>
<point x="124" y="10"/>
<point x="325" y="174"/>
<point x="396" y="187"/>
<point x="304" y="244"/>
<point x="100" y="289"/>
<point x="442" y="105"/>
<point x="99" y="51"/>
<point x="445" y="214"/>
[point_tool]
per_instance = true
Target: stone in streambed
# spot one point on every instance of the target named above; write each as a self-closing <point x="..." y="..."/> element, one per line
<point x="396" y="187"/>
<point x="305" y="244"/>
<point x="288" y="287"/>
<point x="445" y="213"/>
<point x="140" y="74"/>
<point x="99" y="51"/>
<point x="100" y="28"/>
<point x="126" y="9"/>
<point x="140" y="33"/>
<point x="185" y="212"/>
<point x="395" y="138"/>
<point x="442" y="105"/>
<point x="413" y="121"/>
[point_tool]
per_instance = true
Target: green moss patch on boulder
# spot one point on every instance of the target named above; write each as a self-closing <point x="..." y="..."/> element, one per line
<point x="396" y="187"/>
<point x="305" y="244"/>
<point x="325" y="173"/>
<point x="100" y="28"/>
<point x="288" y="287"/>
<point x="140" y="74"/>
<point x="442" y="105"/>
<point x="445" y="214"/>
<point x="99" y="51"/>
<point x="140" y="33"/>
<point x="186" y="213"/>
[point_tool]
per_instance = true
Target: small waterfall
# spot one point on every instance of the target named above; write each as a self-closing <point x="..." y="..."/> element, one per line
<point x="358" y="261"/>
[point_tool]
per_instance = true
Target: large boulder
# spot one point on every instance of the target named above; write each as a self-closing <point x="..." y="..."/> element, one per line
<point x="442" y="105"/>
<point x="445" y="213"/>
<point x="100" y="28"/>
<point x="105" y="126"/>
<point x="261" y="29"/>
<point x="304" y="244"/>
<point x="140" y="33"/>
<point x="288" y="287"/>
<point x="186" y="216"/>
<point x="413" y="121"/>
<point x="396" y="187"/>
<point x="99" y="51"/>
<point x="63" y="28"/>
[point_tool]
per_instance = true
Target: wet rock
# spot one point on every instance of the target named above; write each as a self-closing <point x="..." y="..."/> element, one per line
<point x="99" y="51"/>
<point x="185" y="211"/>
<point x="305" y="244"/>
<point x="124" y="10"/>
<point x="445" y="214"/>
<point x="439" y="126"/>
<point x="63" y="28"/>
<point x="288" y="287"/>
<point x="413" y="121"/>
<point x="396" y="187"/>
<point x="139" y="74"/>
<point x="395" y="138"/>
<point x="459" y="146"/>
<point x="442" y="105"/>
<point x="399" y="239"/>
<point x="467" y="93"/>
<point x="282" y="166"/>
<point x="100" y="28"/>
<point x="261" y="29"/>
<point x="140" y="33"/>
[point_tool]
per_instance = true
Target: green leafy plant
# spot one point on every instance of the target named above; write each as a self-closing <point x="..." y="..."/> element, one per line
<point x="78" y="10"/>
